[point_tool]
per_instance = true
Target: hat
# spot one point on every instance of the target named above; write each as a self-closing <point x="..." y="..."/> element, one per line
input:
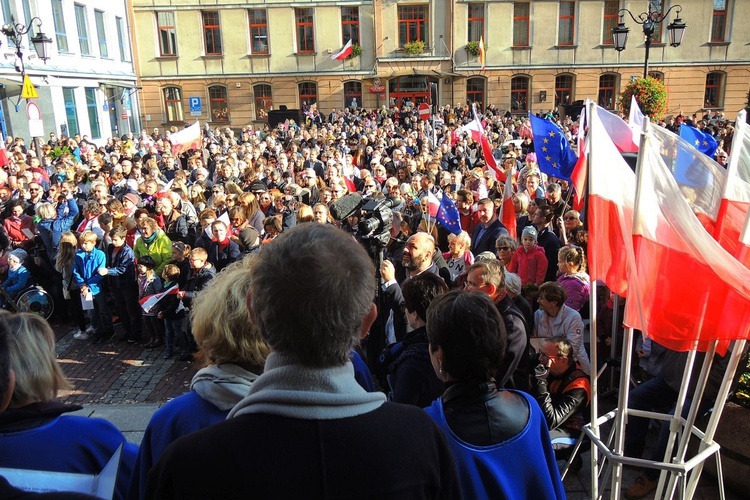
<point x="529" y="231"/>
<point x="132" y="198"/>
<point x="18" y="254"/>
<point x="485" y="256"/>
<point x="257" y="187"/>
<point x="147" y="261"/>
<point x="248" y="237"/>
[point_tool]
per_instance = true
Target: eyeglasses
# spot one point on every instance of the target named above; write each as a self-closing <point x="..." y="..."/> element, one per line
<point x="503" y="249"/>
<point x="33" y="189"/>
<point x="571" y="217"/>
<point x="543" y="356"/>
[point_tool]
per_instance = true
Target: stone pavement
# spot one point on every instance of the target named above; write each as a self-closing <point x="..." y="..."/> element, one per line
<point x="125" y="384"/>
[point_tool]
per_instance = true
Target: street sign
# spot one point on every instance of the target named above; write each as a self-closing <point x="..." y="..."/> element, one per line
<point x="424" y="111"/>
<point x="34" y="115"/>
<point x="196" y="109"/>
<point x="29" y="91"/>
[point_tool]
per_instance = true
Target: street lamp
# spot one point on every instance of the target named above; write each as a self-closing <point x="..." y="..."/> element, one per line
<point x="675" y="29"/>
<point x="16" y="31"/>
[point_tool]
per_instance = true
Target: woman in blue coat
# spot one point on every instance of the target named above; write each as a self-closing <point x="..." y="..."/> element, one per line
<point x="54" y="220"/>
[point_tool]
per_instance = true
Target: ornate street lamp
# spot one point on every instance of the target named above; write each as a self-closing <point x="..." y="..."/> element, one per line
<point x="16" y="31"/>
<point x="649" y="20"/>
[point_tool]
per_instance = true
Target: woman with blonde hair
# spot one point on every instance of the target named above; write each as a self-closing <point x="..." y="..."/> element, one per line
<point x="35" y="432"/>
<point x="252" y="210"/>
<point x="64" y="261"/>
<point x="235" y="353"/>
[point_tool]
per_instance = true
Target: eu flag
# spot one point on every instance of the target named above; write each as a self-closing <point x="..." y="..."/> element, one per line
<point x="553" y="153"/>
<point x="700" y="140"/>
<point x="447" y="215"/>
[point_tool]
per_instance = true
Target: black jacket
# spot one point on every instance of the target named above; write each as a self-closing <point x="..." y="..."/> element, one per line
<point x="561" y="405"/>
<point x="197" y="282"/>
<point x="514" y="373"/>
<point x="412" y="378"/>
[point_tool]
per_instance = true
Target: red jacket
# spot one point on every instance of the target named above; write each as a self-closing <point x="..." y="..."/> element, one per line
<point x="15" y="226"/>
<point x="531" y="266"/>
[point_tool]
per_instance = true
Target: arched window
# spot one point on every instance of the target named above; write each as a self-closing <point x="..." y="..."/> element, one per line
<point x="173" y="104"/>
<point x="656" y="75"/>
<point x="519" y="94"/>
<point x="217" y="98"/>
<point x="263" y="100"/>
<point x="608" y="90"/>
<point x="714" y="95"/>
<point x="308" y="93"/>
<point x="563" y="90"/>
<point x="475" y="91"/>
<point x="352" y="94"/>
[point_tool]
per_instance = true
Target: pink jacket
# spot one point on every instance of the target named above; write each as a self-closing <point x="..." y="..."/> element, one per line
<point x="531" y="266"/>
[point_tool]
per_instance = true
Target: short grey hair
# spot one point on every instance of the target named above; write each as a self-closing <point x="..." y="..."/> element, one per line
<point x="513" y="283"/>
<point x="311" y="290"/>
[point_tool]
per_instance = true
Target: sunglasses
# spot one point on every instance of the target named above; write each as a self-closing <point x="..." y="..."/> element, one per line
<point x="571" y="218"/>
<point x="503" y="249"/>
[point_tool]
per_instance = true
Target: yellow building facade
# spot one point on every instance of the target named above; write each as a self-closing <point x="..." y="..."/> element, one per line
<point x="230" y="62"/>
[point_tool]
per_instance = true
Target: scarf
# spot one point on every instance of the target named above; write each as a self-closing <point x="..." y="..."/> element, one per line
<point x="223" y="385"/>
<point x="150" y="239"/>
<point x="291" y="390"/>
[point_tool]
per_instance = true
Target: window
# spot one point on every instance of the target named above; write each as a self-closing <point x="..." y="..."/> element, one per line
<point x="9" y="12"/>
<point x="101" y="33"/>
<point x="60" y="35"/>
<point x="27" y="17"/>
<point x="350" y="25"/>
<point x="567" y="23"/>
<point x="656" y="75"/>
<point x="519" y="94"/>
<point x="658" y="29"/>
<point x="308" y="93"/>
<point x="167" y="35"/>
<point x="607" y="91"/>
<point x="714" y="95"/>
<point x="69" y="97"/>
<point x="93" y="113"/>
<point x="412" y="23"/>
<point x="521" y="24"/>
<point x="563" y="90"/>
<point x="719" y="22"/>
<point x="476" y="22"/>
<point x="263" y="100"/>
<point x="83" y="31"/>
<point x="211" y="32"/>
<point x="611" y="7"/>
<point x="173" y="104"/>
<point x="124" y="52"/>
<point x="352" y="94"/>
<point x="305" y="31"/>
<point x="258" y="31"/>
<point x="217" y="98"/>
<point x="475" y="91"/>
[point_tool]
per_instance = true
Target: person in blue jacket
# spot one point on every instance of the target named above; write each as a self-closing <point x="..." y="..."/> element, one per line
<point x="499" y="438"/>
<point x="86" y="267"/>
<point x="35" y="432"/>
<point x="54" y="220"/>
<point x="19" y="278"/>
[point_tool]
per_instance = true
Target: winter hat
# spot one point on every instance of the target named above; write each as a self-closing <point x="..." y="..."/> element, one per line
<point x="132" y="198"/>
<point x="18" y="254"/>
<point x="147" y="261"/>
<point x="485" y="256"/>
<point x="529" y="231"/>
<point x="248" y="237"/>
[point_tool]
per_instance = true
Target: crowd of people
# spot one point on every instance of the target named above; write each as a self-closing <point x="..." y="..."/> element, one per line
<point x="318" y="345"/>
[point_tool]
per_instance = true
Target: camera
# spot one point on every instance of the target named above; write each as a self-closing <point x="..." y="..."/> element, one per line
<point x="376" y="220"/>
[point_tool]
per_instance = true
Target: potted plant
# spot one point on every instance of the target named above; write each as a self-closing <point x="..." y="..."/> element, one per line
<point x="414" y="48"/>
<point x="356" y="51"/>
<point x="651" y="95"/>
<point x="473" y="48"/>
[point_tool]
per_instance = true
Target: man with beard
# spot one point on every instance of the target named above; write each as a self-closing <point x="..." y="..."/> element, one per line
<point x="488" y="230"/>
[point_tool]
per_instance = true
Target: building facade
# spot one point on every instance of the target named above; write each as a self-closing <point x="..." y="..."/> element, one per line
<point x="228" y="62"/>
<point x="88" y="84"/>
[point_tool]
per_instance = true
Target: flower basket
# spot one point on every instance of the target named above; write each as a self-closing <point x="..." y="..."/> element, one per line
<point x="356" y="51"/>
<point x="414" y="48"/>
<point x="651" y="95"/>
<point x="473" y="48"/>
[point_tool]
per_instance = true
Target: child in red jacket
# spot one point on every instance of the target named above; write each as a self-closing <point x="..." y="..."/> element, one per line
<point x="529" y="261"/>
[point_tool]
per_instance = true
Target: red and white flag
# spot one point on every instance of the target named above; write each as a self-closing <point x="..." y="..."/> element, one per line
<point x="580" y="171"/>
<point x="508" y="211"/>
<point x="343" y="53"/>
<point x="743" y="252"/>
<point x="611" y="202"/>
<point x="619" y="131"/>
<point x="635" y="120"/>
<point x="3" y="151"/>
<point x="148" y="302"/>
<point x="476" y="131"/>
<point x="433" y="204"/>
<point x="735" y="201"/>
<point x="185" y="139"/>
<point x="684" y="290"/>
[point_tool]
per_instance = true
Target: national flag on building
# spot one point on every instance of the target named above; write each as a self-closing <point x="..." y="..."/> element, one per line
<point x="700" y="140"/>
<point x="482" y="52"/>
<point x="447" y="215"/>
<point x="553" y="152"/>
<point x="345" y="52"/>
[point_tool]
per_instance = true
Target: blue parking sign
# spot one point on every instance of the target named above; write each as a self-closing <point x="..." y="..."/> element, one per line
<point x="195" y="106"/>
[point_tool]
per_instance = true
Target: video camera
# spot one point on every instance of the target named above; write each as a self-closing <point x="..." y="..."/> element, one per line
<point x="375" y="220"/>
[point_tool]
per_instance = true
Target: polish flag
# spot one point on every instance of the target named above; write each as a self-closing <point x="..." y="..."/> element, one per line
<point x="700" y="179"/>
<point x="476" y="131"/>
<point x="684" y="289"/>
<point x="433" y="204"/>
<point x="635" y="120"/>
<point x="185" y="139"/>
<point x="508" y="211"/>
<point x="482" y="52"/>
<point x="611" y="201"/>
<point x="743" y="252"/>
<point x="350" y="184"/>
<point x="735" y="202"/>
<point x="343" y="53"/>
<point x="619" y="131"/>
<point x="580" y="171"/>
<point x="3" y="152"/>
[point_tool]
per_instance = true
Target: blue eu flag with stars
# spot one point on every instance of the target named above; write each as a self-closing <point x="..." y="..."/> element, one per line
<point x="447" y="215"/>
<point x="553" y="153"/>
<point x="700" y="140"/>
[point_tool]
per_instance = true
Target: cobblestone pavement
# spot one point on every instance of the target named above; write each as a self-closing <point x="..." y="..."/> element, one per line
<point x="117" y="372"/>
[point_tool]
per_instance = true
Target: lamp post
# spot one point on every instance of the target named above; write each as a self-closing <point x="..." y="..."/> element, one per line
<point x="649" y="20"/>
<point x="15" y="33"/>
